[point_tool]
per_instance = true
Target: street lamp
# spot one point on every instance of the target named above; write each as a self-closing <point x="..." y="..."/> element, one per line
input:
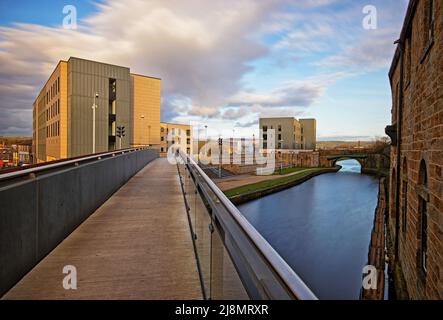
<point x="149" y="135"/>
<point x="141" y="129"/>
<point x="281" y="157"/>
<point x="220" y="144"/>
<point x="94" y="106"/>
<point x="253" y="148"/>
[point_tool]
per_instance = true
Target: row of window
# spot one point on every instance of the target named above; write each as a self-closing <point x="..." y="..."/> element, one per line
<point x="429" y="27"/>
<point x="53" y="91"/>
<point x="188" y="140"/>
<point x="53" y="129"/>
<point x="53" y="110"/>
<point x="422" y="209"/>
<point x="188" y="132"/>
<point x="265" y="128"/>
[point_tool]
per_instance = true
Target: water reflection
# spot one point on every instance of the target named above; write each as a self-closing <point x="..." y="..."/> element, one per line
<point x="349" y="166"/>
<point x="322" y="228"/>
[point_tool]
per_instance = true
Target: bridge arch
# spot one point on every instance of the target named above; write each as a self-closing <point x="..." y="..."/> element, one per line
<point x="360" y="158"/>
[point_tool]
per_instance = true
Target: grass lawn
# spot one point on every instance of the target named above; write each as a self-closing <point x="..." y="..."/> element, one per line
<point x="288" y="170"/>
<point x="269" y="183"/>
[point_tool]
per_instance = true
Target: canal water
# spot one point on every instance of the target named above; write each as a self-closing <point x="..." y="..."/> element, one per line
<point x="322" y="228"/>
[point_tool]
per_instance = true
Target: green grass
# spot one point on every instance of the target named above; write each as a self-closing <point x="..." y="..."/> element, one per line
<point x="263" y="185"/>
<point x="288" y="170"/>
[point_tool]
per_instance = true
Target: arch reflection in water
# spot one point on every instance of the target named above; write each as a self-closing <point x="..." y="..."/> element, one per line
<point x="349" y="165"/>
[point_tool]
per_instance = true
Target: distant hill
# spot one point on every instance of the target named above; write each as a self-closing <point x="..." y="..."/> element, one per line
<point x="9" y="140"/>
<point x="344" y="144"/>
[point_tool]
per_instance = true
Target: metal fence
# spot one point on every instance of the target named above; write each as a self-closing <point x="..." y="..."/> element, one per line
<point x="234" y="260"/>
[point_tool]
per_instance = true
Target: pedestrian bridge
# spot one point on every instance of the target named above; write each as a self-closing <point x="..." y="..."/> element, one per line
<point x="133" y="226"/>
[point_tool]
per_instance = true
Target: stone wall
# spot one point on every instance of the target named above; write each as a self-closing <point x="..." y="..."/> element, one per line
<point x="421" y="153"/>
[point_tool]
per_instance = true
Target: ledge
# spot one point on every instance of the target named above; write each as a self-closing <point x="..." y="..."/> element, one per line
<point x="246" y="197"/>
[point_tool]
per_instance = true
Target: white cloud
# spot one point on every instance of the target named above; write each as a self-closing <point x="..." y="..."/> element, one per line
<point x="199" y="48"/>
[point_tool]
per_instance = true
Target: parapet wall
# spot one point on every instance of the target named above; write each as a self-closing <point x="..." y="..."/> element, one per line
<point x="40" y="210"/>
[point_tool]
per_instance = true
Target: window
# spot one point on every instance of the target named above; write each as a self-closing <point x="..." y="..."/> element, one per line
<point x="408" y="59"/>
<point x="279" y="127"/>
<point x="162" y="139"/>
<point x="430" y="19"/>
<point x="423" y="211"/>
<point x="162" y="129"/>
<point x="58" y="84"/>
<point x="279" y="137"/>
<point x="265" y="128"/>
<point x="404" y="193"/>
<point x="188" y="132"/>
<point x="162" y="150"/>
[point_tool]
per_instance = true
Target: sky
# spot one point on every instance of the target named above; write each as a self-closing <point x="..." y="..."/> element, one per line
<point x="223" y="64"/>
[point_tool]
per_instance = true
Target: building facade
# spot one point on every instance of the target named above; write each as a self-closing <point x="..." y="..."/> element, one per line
<point x="416" y="181"/>
<point x="290" y="133"/>
<point x="175" y="134"/>
<point x="63" y="113"/>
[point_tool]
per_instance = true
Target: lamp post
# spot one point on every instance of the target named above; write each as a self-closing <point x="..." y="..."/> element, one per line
<point x="149" y="135"/>
<point x="281" y="157"/>
<point x="220" y="144"/>
<point x="253" y="148"/>
<point x="142" y="117"/>
<point x="94" y="106"/>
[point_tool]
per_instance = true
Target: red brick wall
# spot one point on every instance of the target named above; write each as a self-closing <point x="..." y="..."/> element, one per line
<point x="422" y="139"/>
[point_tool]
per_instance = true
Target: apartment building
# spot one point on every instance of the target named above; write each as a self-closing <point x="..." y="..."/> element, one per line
<point x="416" y="182"/>
<point x="290" y="133"/>
<point x="175" y="134"/>
<point x="63" y="114"/>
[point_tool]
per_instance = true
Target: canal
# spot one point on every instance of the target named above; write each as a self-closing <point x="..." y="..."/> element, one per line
<point x="322" y="228"/>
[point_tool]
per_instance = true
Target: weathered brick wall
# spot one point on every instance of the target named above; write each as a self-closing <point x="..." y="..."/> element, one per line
<point x="422" y="139"/>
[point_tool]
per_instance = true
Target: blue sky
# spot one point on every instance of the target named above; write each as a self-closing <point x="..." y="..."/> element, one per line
<point x="223" y="64"/>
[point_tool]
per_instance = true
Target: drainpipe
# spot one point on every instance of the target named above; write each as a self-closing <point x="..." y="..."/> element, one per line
<point x="399" y="131"/>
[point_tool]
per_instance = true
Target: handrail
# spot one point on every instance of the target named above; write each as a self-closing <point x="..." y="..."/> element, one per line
<point x="295" y="284"/>
<point x="24" y="172"/>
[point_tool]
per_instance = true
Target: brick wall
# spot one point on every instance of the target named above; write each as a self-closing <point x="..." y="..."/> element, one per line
<point x="421" y="144"/>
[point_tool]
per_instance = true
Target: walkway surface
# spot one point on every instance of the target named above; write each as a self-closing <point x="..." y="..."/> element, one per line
<point x="137" y="245"/>
<point x="247" y="179"/>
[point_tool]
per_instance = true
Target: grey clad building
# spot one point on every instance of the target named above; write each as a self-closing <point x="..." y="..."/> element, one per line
<point x="63" y="113"/>
<point x="290" y="133"/>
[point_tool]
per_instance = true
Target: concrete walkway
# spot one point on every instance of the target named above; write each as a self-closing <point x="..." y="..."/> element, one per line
<point x="137" y="245"/>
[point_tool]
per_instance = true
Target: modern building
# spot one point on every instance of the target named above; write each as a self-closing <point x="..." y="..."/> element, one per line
<point x="290" y="133"/>
<point x="175" y="134"/>
<point x="21" y="154"/>
<point x="416" y="179"/>
<point x="63" y="113"/>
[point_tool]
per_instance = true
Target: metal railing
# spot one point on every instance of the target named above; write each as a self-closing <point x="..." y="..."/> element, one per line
<point x="58" y="164"/>
<point x="234" y="260"/>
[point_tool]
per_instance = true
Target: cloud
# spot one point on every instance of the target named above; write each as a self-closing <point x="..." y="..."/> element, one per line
<point x="290" y="94"/>
<point x="247" y="124"/>
<point x="372" y="52"/>
<point x="202" y="50"/>
<point x="199" y="48"/>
